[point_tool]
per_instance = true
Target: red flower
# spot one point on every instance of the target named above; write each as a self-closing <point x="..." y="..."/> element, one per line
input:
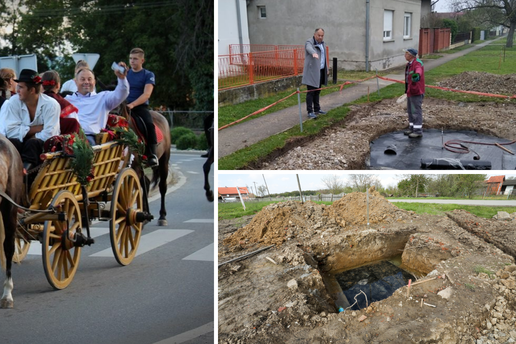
<point x="36" y="78"/>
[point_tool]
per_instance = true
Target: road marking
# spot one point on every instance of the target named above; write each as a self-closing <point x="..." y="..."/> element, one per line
<point x="150" y="241"/>
<point x="192" y="172"/>
<point x="204" y="254"/>
<point x="189" y="335"/>
<point x="35" y="246"/>
<point x="199" y="221"/>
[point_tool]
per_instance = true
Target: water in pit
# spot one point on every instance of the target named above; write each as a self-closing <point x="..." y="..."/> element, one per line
<point x="377" y="281"/>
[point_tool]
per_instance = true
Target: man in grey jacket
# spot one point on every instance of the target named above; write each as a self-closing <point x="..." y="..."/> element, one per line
<point x="315" y="72"/>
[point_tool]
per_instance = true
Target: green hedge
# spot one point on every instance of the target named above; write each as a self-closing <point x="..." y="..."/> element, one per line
<point x="187" y="141"/>
<point x="202" y="144"/>
<point x="475" y="35"/>
<point x="178" y="132"/>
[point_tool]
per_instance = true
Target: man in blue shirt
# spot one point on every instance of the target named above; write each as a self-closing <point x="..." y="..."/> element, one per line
<point x="142" y="83"/>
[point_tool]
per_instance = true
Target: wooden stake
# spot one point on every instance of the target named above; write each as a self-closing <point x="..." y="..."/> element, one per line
<point x="505" y="149"/>
<point x="408" y="288"/>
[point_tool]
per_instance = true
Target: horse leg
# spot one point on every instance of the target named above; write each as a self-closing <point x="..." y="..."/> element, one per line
<point x="9" y="225"/>
<point x="163" y="171"/>
<point x="206" y="168"/>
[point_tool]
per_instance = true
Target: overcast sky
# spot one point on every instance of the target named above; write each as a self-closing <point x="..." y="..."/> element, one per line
<point x="443" y="6"/>
<point x="286" y="181"/>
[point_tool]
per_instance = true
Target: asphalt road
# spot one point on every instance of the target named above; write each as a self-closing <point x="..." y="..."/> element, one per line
<point x="490" y="203"/>
<point x="166" y="295"/>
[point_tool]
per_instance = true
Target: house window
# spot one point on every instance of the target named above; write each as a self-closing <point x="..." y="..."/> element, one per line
<point x="262" y="13"/>
<point x="387" y="25"/>
<point x="407" y="24"/>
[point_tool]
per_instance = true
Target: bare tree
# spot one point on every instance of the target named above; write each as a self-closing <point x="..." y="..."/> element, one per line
<point x="362" y="182"/>
<point x="261" y="190"/>
<point x="493" y="12"/>
<point x="334" y="184"/>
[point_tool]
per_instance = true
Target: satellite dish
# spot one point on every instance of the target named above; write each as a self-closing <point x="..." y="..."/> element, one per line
<point x="90" y="58"/>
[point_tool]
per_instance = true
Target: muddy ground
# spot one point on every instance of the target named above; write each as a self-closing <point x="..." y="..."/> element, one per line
<point x="279" y="295"/>
<point x="345" y="146"/>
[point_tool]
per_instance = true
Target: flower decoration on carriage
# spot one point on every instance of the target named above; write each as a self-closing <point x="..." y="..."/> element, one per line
<point x="115" y="121"/>
<point x="78" y="149"/>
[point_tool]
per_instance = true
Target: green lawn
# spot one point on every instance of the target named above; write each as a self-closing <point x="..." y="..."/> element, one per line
<point x="494" y="58"/>
<point x="235" y="210"/>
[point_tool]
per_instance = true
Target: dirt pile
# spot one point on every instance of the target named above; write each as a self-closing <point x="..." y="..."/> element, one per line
<point x="359" y="208"/>
<point x="482" y="82"/>
<point x="279" y="222"/>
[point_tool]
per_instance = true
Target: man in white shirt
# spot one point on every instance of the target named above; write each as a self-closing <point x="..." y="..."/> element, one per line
<point x="29" y="118"/>
<point x="94" y="107"/>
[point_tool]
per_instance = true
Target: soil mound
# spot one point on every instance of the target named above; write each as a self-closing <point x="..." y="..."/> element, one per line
<point x="352" y="209"/>
<point x="482" y="82"/>
<point x="282" y="221"/>
<point x="271" y="225"/>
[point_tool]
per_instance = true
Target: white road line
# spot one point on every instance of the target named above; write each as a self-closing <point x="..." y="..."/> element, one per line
<point x="35" y="246"/>
<point x="204" y="254"/>
<point x="189" y="335"/>
<point x="192" y="172"/>
<point x="150" y="241"/>
<point x="199" y="221"/>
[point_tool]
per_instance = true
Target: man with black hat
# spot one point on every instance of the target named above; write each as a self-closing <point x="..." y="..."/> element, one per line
<point x="29" y="118"/>
<point x="415" y="90"/>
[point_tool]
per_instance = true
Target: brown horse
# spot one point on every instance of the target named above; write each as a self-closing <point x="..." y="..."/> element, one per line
<point x="160" y="173"/>
<point x="11" y="184"/>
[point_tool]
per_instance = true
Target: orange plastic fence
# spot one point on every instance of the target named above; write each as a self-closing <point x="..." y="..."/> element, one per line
<point x="251" y="67"/>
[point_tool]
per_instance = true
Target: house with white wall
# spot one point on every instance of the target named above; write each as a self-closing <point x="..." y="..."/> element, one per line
<point x="232" y="24"/>
<point x="361" y="34"/>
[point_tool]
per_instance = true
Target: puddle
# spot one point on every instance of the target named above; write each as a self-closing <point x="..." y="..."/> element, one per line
<point x="357" y="288"/>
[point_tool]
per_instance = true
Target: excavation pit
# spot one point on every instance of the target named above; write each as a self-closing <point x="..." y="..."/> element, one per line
<point x="357" y="288"/>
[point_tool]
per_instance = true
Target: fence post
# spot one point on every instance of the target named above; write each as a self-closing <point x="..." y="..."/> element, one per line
<point x="251" y="72"/>
<point x="300" y="115"/>
<point x="295" y="62"/>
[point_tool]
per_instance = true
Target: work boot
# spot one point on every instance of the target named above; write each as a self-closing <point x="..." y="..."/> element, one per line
<point x="415" y="135"/>
<point x="408" y="131"/>
<point x="152" y="159"/>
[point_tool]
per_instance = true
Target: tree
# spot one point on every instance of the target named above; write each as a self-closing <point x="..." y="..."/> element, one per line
<point x="467" y="184"/>
<point x="414" y="184"/>
<point x="362" y="182"/>
<point x="492" y="12"/>
<point x="333" y="184"/>
<point x="176" y="35"/>
<point x="261" y="191"/>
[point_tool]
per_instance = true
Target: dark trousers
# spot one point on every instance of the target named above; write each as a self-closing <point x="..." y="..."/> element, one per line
<point x="208" y="123"/>
<point x="30" y="150"/>
<point x="312" y="97"/>
<point x="142" y="111"/>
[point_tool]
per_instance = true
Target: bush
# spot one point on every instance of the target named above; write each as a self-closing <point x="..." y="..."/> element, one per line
<point x="202" y="144"/>
<point x="178" y="132"/>
<point x="187" y="141"/>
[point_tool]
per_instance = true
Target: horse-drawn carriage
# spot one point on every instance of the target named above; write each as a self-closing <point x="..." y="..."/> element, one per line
<point x="60" y="210"/>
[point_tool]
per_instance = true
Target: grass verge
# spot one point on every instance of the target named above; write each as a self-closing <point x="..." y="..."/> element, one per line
<point x="235" y="210"/>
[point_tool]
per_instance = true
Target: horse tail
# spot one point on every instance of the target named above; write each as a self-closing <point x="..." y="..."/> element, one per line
<point x="155" y="178"/>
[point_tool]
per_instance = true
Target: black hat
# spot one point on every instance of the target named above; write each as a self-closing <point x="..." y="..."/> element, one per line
<point x="29" y="76"/>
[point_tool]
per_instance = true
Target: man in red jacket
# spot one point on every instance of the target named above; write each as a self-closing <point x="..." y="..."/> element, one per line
<point x="415" y="89"/>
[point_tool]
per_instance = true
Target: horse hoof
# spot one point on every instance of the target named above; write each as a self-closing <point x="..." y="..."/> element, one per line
<point x="162" y="222"/>
<point x="209" y="196"/>
<point x="8" y="304"/>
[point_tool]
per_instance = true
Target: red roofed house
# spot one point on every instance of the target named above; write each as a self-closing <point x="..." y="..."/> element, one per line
<point x="232" y="192"/>
<point x="494" y="185"/>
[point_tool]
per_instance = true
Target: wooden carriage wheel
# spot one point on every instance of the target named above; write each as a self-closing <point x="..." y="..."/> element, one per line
<point x="125" y="231"/>
<point x="60" y="256"/>
<point x="21" y="248"/>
